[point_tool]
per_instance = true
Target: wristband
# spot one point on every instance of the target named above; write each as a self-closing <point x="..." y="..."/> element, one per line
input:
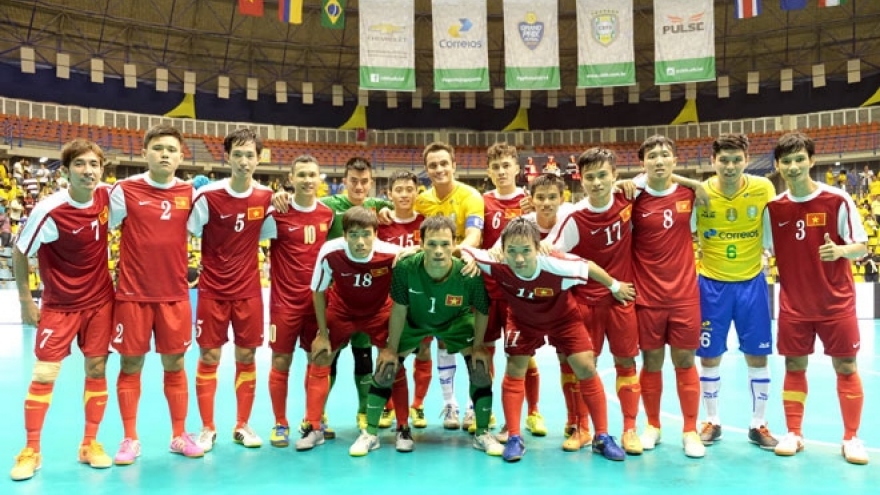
<point x="614" y="287"/>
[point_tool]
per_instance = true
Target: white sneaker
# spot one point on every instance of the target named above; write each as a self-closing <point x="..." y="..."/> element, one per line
<point x="310" y="438"/>
<point x="247" y="437"/>
<point x="503" y="435"/>
<point x="789" y="445"/>
<point x="650" y="437"/>
<point x="206" y="439"/>
<point x="488" y="444"/>
<point x="693" y="446"/>
<point x="450" y="417"/>
<point x="469" y="420"/>
<point x="404" y="442"/>
<point x="364" y="444"/>
<point x="854" y="452"/>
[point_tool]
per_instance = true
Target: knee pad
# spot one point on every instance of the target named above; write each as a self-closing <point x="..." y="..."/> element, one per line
<point x="45" y="372"/>
<point x="363" y="360"/>
<point x="479" y="374"/>
<point x="384" y="376"/>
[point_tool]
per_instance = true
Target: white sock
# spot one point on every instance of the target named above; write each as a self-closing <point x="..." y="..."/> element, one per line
<point x="446" y="370"/>
<point x="710" y="386"/>
<point x="759" y="385"/>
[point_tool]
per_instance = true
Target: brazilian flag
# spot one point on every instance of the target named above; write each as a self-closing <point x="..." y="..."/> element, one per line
<point x="333" y="14"/>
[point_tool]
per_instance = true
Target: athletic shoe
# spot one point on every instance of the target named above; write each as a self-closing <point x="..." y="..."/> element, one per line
<point x="854" y="452"/>
<point x="362" y="421"/>
<point x="404" y="441"/>
<point x="503" y="435"/>
<point x="185" y="446"/>
<point x="789" y="445"/>
<point x="26" y="463"/>
<point x="693" y="446"/>
<point x="386" y="419"/>
<point x="535" y="424"/>
<point x="515" y="449"/>
<point x="488" y="444"/>
<point x="247" y="437"/>
<point x="473" y="426"/>
<point x="364" y="444"/>
<point x="710" y="433"/>
<point x="329" y="433"/>
<point x="577" y="439"/>
<point x="650" y="437"/>
<point x="469" y="421"/>
<point x="632" y="444"/>
<point x="450" y="417"/>
<point x="418" y="417"/>
<point x="310" y="438"/>
<point x="762" y="438"/>
<point x="206" y="439"/>
<point x="280" y="436"/>
<point x="93" y="454"/>
<point x="604" y="444"/>
<point x="129" y="450"/>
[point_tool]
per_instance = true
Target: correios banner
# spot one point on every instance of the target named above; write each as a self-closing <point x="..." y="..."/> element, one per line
<point x="461" y="45"/>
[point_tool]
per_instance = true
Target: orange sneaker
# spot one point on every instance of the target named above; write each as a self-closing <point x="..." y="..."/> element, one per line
<point x="26" y="463"/>
<point x="577" y="439"/>
<point x="93" y="454"/>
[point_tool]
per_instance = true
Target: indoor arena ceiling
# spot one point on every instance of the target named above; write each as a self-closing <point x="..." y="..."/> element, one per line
<point x="211" y="38"/>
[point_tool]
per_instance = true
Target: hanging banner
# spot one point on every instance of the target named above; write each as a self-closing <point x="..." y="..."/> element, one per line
<point x="461" y="45"/>
<point x="387" y="53"/>
<point x="606" y="56"/>
<point x="684" y="41"/>
<point x="531" y="45"/>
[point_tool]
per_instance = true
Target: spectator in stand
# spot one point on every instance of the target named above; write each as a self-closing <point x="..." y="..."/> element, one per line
<point x="5" y="226"/>
<point x="16" y="208"/>
<point x="871" y="263"/>
<point x="829" y="177"/>
<point x="866" y="178"/>
<point x="30" y="184"/>
<point x="18" y="171"/>
<point x="42" y="173"/>
<point x="852" y="182"/>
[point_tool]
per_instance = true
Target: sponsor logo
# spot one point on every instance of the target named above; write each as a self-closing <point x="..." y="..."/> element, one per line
<point x="730" y="236"/>
<point x="594" y="232"/>
<point x="415" y="291"/>
<point x="731" y="215"/>
<point x="645" y="215"/>
<point x="224" y="217"/>
<point x="707" y="214"/>
<point x="531" y="32"/>
<point x="77" y="231"/>
<point x="142" y="203"/>
<point x="752" y="212"/>
<point x="783" y="224"/>
<point x="457" y="31"/>
<point x="605" y="27"/>
<point x="291" y="229"/>
<point x="684" y="24"/>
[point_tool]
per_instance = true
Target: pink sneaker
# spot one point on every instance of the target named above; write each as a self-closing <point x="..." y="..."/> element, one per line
<point x="184" y="445"/>
<point x="129" y="450"/>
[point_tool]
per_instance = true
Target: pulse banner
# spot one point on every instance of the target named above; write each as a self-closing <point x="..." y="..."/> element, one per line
<point x="684" y="41"/>
<point x="387" y="45"/>
<point x="531" y="45"/>
<point x="606" y="56"/>
<point x="461" y="45"/>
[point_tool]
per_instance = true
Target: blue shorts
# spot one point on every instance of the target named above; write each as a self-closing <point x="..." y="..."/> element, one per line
<point x="746" y="304"/>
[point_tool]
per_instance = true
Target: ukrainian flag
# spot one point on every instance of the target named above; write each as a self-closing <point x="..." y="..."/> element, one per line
<point x="290" y="11"/>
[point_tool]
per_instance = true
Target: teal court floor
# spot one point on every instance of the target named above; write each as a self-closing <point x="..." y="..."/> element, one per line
<point x="444" y="461"/>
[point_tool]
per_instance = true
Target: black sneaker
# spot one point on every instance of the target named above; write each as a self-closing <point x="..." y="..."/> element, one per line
<point x="762" y="438"/>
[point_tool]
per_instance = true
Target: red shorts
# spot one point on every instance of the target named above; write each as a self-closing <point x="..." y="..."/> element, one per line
<point x="617" y="323"/>
<point x="568" y="338"/>
<point x="136" y="322"/>
<point x="497" y="319"/>
<point x="840" y="336"/>
<point x="342" y="327"/>
<point x="57" y="329"/>
<point x="287" y="326"/>
<point x="678" y="327"/>
<point x="214" y="316"/>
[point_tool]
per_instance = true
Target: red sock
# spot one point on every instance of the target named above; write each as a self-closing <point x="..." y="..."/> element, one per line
<point x="852" y="399"/>
<point x="95" y="402"/>
<point x="628" y="392"/>
<point x="513" y="391"/>
<point x="400" y="395"/>
<point x="278" y="394"/>
<point x="533" y="386"/>
<point x="652" y="390"/>
<point x="422" y="371"/>
<point x="593" y="394"/>
<point x="245" y="391"/>
<point x="177" y="395"/>
<point x="316" y="393"/>
<point x="687" y="381"/>
<point x="571" y="392"/>
<point x="206" y="389"/>
<point x="128" y="393"/>
<point x="35" y="406"/>
<point x="794" y="396"/>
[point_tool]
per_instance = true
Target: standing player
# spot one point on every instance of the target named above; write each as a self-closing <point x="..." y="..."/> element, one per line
<point x="536" y="289"/>
<point x="732" y="284"/>
<point x="404" y="231"/>
<point x="601" y="228"/>
<point x="68" y="233"/>
<point x="815" y="230"/>
<point x="297" y="236"/>
<point x="359" y="268"/>
<point x="229" y="217"/>
<point x="668" y="303"/>
<point x="152" y="209"/>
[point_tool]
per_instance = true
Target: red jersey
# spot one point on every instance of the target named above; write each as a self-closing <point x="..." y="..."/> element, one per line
<point x="795" y="228"/>
<point x="231" y="227"/>
<point x="70" y="241"/>
<point x="153" y="218"/>
<point x="297" y="236"/>
<point x="538" y="304"/>
<point x="498" y="211"/>
<point x="360" y="288"/>
<point x="604" y="235"/>
<point x="663" y="249"/>
<point x="404" y="233"/>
